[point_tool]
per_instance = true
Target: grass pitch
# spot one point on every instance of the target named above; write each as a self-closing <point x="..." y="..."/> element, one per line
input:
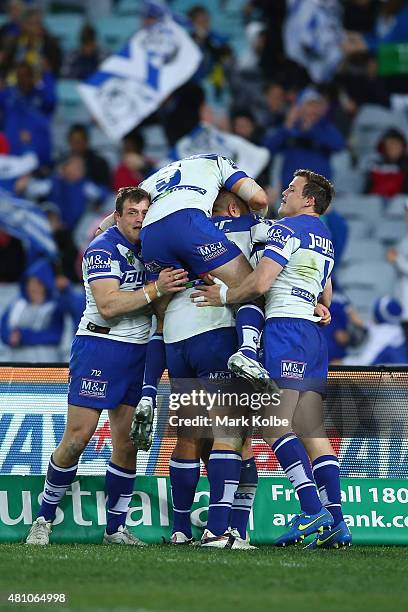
<point x="165" y="579"/>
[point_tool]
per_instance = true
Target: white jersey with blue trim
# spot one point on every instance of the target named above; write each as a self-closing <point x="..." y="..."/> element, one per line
<point x="183" y="319"/>
<point x="110" y="255"/>
<point x="193" y="182"/>
<point x="303" y="246"/>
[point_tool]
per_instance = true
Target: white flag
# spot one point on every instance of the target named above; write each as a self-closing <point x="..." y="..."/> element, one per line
<point x="132" y="83"/>
<point x="206" y="138"/>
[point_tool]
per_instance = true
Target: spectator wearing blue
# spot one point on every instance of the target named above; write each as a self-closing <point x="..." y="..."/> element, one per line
<point x="386" y="340"/>
<point x="391" y="27"/>
<point x="32" y="325"/>
<point x="308" y="138"/>
<point x="69" y="189"/>
<point x="26" y="109"/>
<point x="11" y="29"/>
<point x="213" y="46"/>
<point x="85" y="60"/>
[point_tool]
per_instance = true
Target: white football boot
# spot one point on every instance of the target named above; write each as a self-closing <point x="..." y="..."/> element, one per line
<point x="141" y="430"/>
<point x="252" y="371"/>
<point x="39" y="533"/>
<point x="178" y="538"/>
<point x="122" y="536"/>
<point x="230" y="540"/>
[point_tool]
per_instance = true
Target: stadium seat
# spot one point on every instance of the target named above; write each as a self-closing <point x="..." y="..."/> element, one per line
<point x="369" y="125"/>
<point x="358" y="229"/>
<point x="155" y="142"/>
<point x="390" y="231"/>
<point x="362" y="299"/>
<point x="368" y="208"/>
<point x="127" y="7"/>
<point x="346" y="177"/>
<point x="71" y="108"/>
<point x="115" y="31"/>
<point x="395" y="209"/>
<point x="66" y="28"/>
<point x="379" y="276"/>
<point x="362" y="250"/>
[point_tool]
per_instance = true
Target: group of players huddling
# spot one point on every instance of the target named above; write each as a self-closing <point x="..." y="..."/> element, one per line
<point x="188" y="246"/>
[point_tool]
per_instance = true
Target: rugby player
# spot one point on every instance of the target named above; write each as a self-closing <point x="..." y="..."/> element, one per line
<point x="293" y="274"/>
<point x="178" y="228"/>
<point x="107" y="364"/>
<point x="198" y="345"/>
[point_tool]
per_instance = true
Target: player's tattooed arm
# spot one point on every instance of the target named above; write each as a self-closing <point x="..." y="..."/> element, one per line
<point x="253" y="286"/>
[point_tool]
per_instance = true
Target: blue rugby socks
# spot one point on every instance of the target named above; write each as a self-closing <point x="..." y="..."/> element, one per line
<point x="184" y="475"/>
<point x="293" y="458"/>
<point x="57" y="481"/>
<point x="249" y="324"/>
<point x="119" y="490"/>
<point x="326" y="472"/>
<point x="244" y="496"/>
<point x="155" y="365"/>
<point x="223" y="469"/>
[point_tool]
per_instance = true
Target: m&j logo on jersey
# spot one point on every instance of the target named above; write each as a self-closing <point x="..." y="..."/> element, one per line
<point x="93" y="388"/>
<point x="279" y="235"/>
<point x="211" y="251"/>
<point x="98" y="260"/>
<point x="293" y="369"/>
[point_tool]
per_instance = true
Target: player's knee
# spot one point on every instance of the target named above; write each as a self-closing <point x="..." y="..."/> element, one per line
<point x="126" y="450"/>
<point x="75" y="444"/>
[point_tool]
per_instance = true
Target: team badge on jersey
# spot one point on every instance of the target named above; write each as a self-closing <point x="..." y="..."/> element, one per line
<point x="293" y="369"/>
<point x="130" y="258"/>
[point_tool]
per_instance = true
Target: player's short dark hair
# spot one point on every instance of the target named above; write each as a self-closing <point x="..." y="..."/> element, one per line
<point x="131" y="194"/>
<point x="222" y="201"/>
<point x="317" y="187"/>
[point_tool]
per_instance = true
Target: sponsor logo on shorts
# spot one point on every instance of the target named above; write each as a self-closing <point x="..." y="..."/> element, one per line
<point x="293" y="369"/>
<point x="93" y="388"/>
<point x="212" y="251"/>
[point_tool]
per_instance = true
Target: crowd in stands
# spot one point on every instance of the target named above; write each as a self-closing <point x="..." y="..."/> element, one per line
<point x="318" y="85"/>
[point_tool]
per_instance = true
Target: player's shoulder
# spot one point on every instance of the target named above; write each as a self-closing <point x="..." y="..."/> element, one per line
<point x="103" y="241"/>
<point x="111" y="242"/>
<point x="244" y="223"/>
<point x="301" y="225"/>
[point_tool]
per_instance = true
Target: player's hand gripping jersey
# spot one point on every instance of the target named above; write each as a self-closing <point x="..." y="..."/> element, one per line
<point x="110" y="255"/>
<point x="303" y="246"/>
<point x="193" y="182"/>
<point x="183" y="319"/>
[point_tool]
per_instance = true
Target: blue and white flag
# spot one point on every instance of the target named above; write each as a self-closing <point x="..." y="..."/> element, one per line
<point x="206" y="138"/>
<point x="132" y="83"/>
<point x="25" y="221"/>
<point x="312" y="36"/>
